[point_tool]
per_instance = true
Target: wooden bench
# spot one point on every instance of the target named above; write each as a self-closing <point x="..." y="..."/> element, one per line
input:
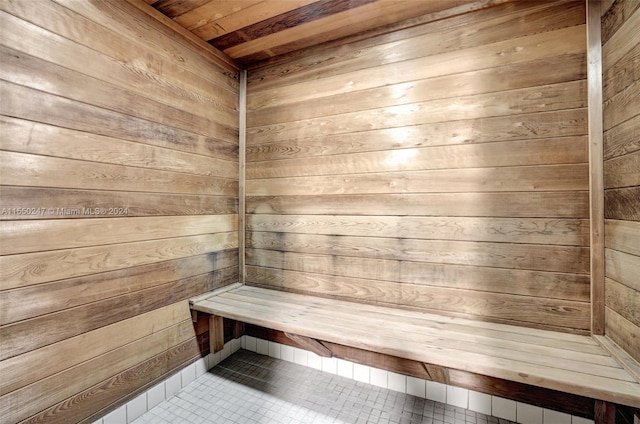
<point x="582" y="365"/>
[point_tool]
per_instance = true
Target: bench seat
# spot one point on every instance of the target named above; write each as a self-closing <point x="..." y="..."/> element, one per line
<point x="583" y="365"/>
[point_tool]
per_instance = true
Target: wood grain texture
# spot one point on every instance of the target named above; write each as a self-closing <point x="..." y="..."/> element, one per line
<point x="406" y="158"/>
<point x="511" y="204"/>
<point x="24" y="336"/>
<point x="622" y="203"/>
<point x="465" y="277"/>
<point x="123" y="132"/>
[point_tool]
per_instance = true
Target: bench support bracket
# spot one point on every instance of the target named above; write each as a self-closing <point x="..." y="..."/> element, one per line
<point x="310" y="344"/>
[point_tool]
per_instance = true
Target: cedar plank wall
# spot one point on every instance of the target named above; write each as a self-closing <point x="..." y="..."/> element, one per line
<point x="103" y="108"/>
<point x="441" y="167"/>
<point x="621" y="95"/>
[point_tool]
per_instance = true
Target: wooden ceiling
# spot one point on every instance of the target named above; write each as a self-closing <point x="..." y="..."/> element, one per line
<point x="253" y="30"/>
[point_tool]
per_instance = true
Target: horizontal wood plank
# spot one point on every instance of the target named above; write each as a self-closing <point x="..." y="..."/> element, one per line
<point x="41" y="299"/>
<point x="569" y="123"/>
<point x="622" y="267"/>
<point x="532" y="178"/>
<point x="67" y="355"/>
<point x="513" y="204"/>
<point x="527" y="100"/>
<point x="488" y="56"/>
<point x="41" y="267"/>
<point x="514" y="153"/>
<point x="43" y="235"/>
<point x="489" y="279"/>
<point x="623" y="332"/>
<point x="505" y="230"/>
<point x="32" y="105"/>
<point x="622" y="203"/>
<point x="502" y="255"/>
<point x="624" y="300"/>
<point x="623" y="171"/>
<point x="622" y="139"/>
<point x="20" y="169"/>
<point x="25" y="336"/>
<point x="623" y="236"/>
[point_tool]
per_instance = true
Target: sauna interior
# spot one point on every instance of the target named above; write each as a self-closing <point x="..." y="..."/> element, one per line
<point x="473" y="160"/>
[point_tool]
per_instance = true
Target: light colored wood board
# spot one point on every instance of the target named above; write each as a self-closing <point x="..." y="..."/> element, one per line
<point x="337" y="25"/>
<point x="502" y="255"/>
<point x="530" y="48"/>
<point x="36" y="268"/>
<point x="28" y="104"/>
<point x="487" y="26"/>
<point x="596" y="179"/>
<point x="26" y="336"/>
<point x="623" y="268"/>
<point x="568" y="95"/>
<point x="480" y="306"/>
<point x="465" y="14"/>
<point x="567" y="123"/>
<point x="242" y="172"/>
<point x="614" y="17"/>
<point x="620" y="355"/>
<point x="43" y="235"/>
<point x="27" y="71"/>
<point x="623" y="333"/>
<point x="583" y="384"/>
<point x="496" y="280"/>
<point x="254" y="11"/>
<point x="505" y="230"/>
<point x="529" y="178"/>
<point x="622" y="74"/>
<point x="28" y="302"/>
<point x="620" y="43"/>
<point x="213" y="293"/>
<point x="503" y="78"/>
<point x="512" y="204"/>
<point x="623" y="236"/>
<point x="623" y="106"/>
<point x="512" y="153"/>
<point x="162" y="37"/>
<point x="30" y="38"/>
<point x="65" y="354"/>
<point x="16" y="199"/>
<point x="623" y="138"/>
<point x="446" y="335"/>
<point x="35" y="138"/>
<point x="185" y="38"/>
<point x="622" y="171"/>
<point x="24" y="402"/>
<point x="454" y="324"/>
<point x="20" y="169"/>
<point x="623" y="203"/>
<point x="100" y="399"/>
<point x="211" y="12"/>
<point x="624" y="300"/>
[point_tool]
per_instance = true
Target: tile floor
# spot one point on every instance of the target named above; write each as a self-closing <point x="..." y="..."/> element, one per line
<point x="257" y="389"/>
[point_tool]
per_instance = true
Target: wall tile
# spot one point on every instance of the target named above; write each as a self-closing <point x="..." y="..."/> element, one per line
<point x="361" y="373"/>
<point x="555" y="417"/>
<point x="274" y="350"/>
<point x="397" y="382"/>
<point x="528" y="414"/>
<point x="262" y="347"/>
<point x="188" y="375"/>
<point x="119" y="416"/>
<point x="480" y="402"/>
<point x="458" y="396"/>
<point x="330" y="365"/>
<point x="201" y="367"/>
<point x="172" y="385"/>
<point x="436" y="392"/>
<point x="417" y="387"/>
<point x="300" y="356"/>
<point x="286" y="353"/>
<point x="379" y="377"/>
<point x="136" y="407"/>
<point x="345" y="368"/>
<point x="251" y="343"/>
<point x="503" y="408"/>
<point x="315" y="361"/>
<point x="155" y="395"/>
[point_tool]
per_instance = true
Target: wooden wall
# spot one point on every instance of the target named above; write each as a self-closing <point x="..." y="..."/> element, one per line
<point x="119" y="165"/>
<point x="440" y="167"/>
<point x="621" y="94"/>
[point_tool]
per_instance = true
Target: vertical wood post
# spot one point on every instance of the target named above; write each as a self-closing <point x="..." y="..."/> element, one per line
<point x="242" y="151"/>
<point x="605" y="412"/>
<point x="216" y="333"/>
<point x="596" y="166"/>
